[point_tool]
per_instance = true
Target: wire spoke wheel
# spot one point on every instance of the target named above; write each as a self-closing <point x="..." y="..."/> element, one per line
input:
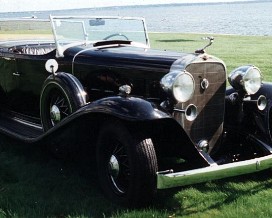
<point x="127" y="165"/>
<point x="61" y="96"/>
<point x="118" y="168"/>
<point x="59" y="107"/>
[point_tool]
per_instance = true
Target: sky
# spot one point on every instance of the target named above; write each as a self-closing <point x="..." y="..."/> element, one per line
<point x="43" y="5"/>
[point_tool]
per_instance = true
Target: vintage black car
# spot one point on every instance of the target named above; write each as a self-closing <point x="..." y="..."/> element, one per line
<point x="154" y="119"/>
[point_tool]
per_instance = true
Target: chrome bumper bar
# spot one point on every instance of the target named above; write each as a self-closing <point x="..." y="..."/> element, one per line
<point x="213" y="172"/>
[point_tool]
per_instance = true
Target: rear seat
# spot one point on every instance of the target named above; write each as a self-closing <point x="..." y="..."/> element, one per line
<point x="33" y="50"/>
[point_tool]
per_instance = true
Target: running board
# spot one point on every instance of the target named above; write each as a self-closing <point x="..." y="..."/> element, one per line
<point x="213" y="172"/>
<point x="19" y="128"/>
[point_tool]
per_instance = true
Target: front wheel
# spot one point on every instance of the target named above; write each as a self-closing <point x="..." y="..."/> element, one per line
<point x="127" y="165"/>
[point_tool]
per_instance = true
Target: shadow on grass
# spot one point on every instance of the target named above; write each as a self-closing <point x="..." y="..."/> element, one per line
<point x="214" y="196"/>
<point x="175" y="40"/>
<point x="35" y="184"/>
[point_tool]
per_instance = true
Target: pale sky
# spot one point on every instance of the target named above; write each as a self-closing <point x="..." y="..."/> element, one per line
<point x="42" y="5"/>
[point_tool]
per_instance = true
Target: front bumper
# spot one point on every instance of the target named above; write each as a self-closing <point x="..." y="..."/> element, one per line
<point x="213" y="172"/>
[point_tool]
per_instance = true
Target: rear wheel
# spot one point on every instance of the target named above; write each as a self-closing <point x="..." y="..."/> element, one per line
<point x="61" y="96"/>
<point x="56" y="105"/>
<point x="59" y="107"/>
<point x="127" y="165"/>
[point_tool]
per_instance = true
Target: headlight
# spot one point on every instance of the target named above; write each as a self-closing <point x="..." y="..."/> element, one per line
<point x="180" y="85"/>
<point x="247" y="78"/>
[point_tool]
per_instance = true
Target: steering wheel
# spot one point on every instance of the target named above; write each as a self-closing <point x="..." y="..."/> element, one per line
<point x="116" y="34"/>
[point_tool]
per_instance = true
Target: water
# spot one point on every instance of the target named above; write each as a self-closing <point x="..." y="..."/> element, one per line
<point x="225" y="18"/>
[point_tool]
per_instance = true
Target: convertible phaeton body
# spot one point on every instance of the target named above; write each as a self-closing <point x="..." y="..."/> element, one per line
<point x="155" y="119"/>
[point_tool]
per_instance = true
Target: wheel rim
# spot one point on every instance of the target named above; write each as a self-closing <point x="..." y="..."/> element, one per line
<point x="55" y="114"/>
<point x="118" y="168"/>
<point x="59" y="108"/>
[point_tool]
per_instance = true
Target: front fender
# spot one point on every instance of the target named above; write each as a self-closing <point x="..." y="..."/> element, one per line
<point x="266" y="90"/>
<point x="128" y="108"/>
<point x="166" y="132"/>
<point x="246" y="116"/>
<point x="123" y="108"/>
<point x="265" y="115"/>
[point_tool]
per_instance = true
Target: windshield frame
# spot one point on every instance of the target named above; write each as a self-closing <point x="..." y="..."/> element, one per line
<point x="61" y="48"/>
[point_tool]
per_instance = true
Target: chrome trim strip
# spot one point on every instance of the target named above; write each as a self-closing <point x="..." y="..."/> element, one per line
<point x="213" y="172"/>
<point x="34" y="125"/>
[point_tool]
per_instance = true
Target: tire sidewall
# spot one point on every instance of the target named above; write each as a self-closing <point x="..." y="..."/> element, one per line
<point x="116" y="131"/>
<point x="51" y="86"/>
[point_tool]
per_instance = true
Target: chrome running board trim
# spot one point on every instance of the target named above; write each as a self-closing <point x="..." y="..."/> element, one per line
<point x="213" y="172"/>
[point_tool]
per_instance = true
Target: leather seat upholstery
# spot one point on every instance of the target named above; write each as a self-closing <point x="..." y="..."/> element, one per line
<point x="33" y="50"/>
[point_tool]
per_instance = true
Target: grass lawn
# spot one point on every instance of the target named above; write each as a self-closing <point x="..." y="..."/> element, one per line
<point x="234" y="50"/>
<point x="35" y="184"/>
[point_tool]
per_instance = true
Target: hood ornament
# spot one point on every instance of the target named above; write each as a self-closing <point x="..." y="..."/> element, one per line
<point x="202" y="50"/>
<point x="125" y="90"/>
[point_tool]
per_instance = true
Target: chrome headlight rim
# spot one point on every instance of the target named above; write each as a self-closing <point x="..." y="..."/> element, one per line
<point x="176" y="87"/>
<point x="179" y="84"/>
<point x="247" y="78"/>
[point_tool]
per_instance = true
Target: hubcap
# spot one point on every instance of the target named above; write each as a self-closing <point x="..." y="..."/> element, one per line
<point x="59" y="108"/>
<point x="114" y="167"/>
<point x="55" y="114"/>
<point x="118" y="168"/>
<point x="114" y="171"/>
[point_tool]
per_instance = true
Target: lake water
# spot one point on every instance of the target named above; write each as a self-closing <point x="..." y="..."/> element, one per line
<point x="229" y="18"/>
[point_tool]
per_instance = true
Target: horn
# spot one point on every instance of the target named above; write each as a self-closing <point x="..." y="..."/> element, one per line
<point x="190" y="112"/>
<point x="261" y="102"/>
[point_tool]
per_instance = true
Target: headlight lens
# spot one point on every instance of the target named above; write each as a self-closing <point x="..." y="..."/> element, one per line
<point x="248" y="78"/>
<point x="183" y="87"/>
<point x="252" y="81"/>
<point x="180" y="85"/>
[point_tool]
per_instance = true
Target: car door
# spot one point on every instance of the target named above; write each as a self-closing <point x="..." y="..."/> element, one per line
<point x="24" y="84"/>
<point x="8" y="83"/>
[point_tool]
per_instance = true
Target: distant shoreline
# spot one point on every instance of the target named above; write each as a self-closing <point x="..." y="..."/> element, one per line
<point x="175" y="4"/>
<point x="222" y="18"/>
<point x="144" y="5"/>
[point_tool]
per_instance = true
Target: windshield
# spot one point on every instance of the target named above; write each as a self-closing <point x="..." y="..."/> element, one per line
<point x="25" y="29"/>
<point x="69" y="31"/>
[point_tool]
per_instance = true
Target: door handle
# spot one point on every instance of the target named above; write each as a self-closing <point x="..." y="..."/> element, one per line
<point x="16" y="74"/>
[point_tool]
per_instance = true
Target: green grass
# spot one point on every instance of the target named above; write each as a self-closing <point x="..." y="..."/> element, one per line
<point x="234" y="50"/>
<point x="35" y="184"/>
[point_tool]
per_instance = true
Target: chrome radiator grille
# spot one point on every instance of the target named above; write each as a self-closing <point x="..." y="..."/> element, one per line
<point x="210" y="103"/>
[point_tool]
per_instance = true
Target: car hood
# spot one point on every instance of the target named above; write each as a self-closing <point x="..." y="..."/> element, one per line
<point x="128" y="56"/>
